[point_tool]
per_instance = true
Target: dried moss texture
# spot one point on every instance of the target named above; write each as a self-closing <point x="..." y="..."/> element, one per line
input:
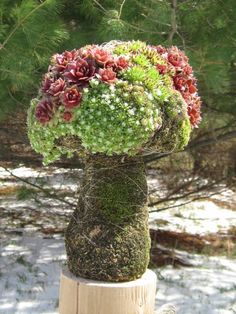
<point x="107" y="237"/>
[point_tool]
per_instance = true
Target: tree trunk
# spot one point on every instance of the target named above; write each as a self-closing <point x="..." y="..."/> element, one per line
<point x="108" y="237"/>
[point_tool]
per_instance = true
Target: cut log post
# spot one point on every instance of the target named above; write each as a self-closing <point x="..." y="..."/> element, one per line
<point x="84" y="296"/>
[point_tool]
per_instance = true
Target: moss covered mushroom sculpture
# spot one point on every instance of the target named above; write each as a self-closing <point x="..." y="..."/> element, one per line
<point x="110" y="105"/>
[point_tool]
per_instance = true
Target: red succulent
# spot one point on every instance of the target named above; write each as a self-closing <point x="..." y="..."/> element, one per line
<point x="86" y="52"/>
<point x="161" y="68"/>
<point x="187" y="97"/>
<point x="161" y="50"/>
<point x="57" y="87"/>
<point x="120" y="64"/>
<point x="177" y="57"/>
<point x="61" y="60"/>
<point x="184" y="84"/>
<point x="44" y="111"/>
<point x="107" y="75"/>
<point x="80" y="71"/>
<point x="179" y="82"/>
<point x="102" y="57"/>
<point x="190" y="85"/>
<point x="195" y="113"/>
<point x="67" y="116"/>
<point x="187" y="70"/>
<point x="48" y="80"/>
<point x="71" y="97"/>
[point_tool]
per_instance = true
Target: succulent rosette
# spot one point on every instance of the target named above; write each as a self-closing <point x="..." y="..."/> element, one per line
<point x="121" y="98"/>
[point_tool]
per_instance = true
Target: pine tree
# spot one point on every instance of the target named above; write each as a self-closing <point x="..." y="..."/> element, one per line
<point x="29" y="32"/>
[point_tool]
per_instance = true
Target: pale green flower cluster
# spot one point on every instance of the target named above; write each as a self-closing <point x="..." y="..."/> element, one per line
<point x="117" y="119"/>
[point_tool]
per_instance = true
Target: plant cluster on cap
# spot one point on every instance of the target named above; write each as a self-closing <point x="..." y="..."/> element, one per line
<point x="183" y="79"/>
<point x="115" y="99"/>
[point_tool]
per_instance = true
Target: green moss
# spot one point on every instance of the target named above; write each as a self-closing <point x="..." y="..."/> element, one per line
<point x="108" y="238"/>
<point x="115" y="201"/>
<point x="184" y="133"/>
<point x="119" y="122"/>
<point x="44" y="139"/>
<point x="175" y="130"/>
<point x="118" y="198"/>
<point x="174" y="105"/>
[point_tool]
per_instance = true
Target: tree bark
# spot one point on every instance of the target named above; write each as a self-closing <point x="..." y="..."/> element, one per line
<point x="108" y="237"/>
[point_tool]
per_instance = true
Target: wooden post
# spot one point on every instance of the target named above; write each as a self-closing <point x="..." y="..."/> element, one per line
<point x="84" y="296"/>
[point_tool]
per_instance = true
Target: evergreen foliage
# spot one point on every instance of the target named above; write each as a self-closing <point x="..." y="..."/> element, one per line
<point x="29" y="31"/>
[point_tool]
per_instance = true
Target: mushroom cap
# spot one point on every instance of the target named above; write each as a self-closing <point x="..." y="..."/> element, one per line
<point x="121" y="98"/>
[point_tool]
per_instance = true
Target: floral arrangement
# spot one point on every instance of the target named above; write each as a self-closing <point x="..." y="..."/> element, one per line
<point x="116" y="98"/>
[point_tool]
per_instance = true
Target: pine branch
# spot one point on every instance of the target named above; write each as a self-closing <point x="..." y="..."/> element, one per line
<point x="21" y="22"/>
<point x="100" y="6"/>
<point x="140" y="30"/>
<point x="174" y="26"/>
<point x="121" y="8"/>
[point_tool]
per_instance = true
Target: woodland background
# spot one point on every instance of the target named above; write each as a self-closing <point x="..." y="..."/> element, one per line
<point x="31" y="31"/>
<point x="192" y="193"/>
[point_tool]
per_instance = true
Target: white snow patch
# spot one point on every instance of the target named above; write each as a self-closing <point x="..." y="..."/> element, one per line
<point x="200" y="217"/>
<point x="209" y="288"/>
<point x="30" y="272"/>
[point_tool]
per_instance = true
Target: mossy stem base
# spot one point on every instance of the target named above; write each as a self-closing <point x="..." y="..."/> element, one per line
<point x="108" y="237"/>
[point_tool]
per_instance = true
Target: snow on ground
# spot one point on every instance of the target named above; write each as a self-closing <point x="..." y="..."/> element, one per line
<point x="30" y="270"/>
<point x="200" y="217"/>
<point x="30" y="261"/>
<point x="207" y="288"/>
<point x="29" y="273"/>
